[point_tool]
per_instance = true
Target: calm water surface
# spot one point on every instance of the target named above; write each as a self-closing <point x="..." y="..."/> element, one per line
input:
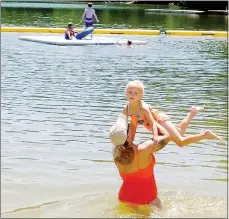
<point x="110" y="16"/>
<point x="58" y="104"/>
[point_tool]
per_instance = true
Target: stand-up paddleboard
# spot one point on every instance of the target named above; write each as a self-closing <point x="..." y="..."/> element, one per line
<point x="61" y="41"/>
<point x="84" y="33"/>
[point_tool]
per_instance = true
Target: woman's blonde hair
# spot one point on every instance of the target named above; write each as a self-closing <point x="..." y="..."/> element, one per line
<point x="137" y="84"/>
<point x="123" y="155"/>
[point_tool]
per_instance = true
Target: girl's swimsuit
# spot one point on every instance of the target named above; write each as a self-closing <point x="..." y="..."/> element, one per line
<point x="139" y="187"/>
<point x="140" y="119"/>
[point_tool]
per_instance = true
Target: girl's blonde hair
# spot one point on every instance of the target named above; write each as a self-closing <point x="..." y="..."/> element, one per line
<point x="137" y="84"/>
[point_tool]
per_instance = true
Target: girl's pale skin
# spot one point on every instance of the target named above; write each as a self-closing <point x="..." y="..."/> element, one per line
<point x="134" y="96"/>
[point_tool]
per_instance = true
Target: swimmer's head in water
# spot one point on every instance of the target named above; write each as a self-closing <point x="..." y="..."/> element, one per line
<point x="129" y="42"/>
<point x="89" y="4"/>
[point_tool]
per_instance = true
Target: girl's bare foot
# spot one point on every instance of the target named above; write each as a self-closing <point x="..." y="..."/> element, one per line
<point x="196" y="109"/>
<point x="210" y="135"/>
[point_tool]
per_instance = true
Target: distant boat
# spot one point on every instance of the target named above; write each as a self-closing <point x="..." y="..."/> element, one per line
<point x="217" y="12"/>
<point x="174" y="11"/>
<point x="128" y="3"/>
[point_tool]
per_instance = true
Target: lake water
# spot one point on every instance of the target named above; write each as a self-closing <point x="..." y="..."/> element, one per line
<point x="58" y="104"/>
<point x="110" y="16"/>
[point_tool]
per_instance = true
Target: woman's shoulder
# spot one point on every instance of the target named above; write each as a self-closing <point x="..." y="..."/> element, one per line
<point x="144" y="153"/>
<point x="146" y="148"/>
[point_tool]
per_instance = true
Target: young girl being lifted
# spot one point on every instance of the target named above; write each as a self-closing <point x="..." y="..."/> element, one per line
<point x="143" y="114"/>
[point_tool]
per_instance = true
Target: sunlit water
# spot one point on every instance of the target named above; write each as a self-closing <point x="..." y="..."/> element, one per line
<point x="58" y="104"/>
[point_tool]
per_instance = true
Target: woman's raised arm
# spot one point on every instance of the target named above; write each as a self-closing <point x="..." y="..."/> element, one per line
<point x="150" y="147"/>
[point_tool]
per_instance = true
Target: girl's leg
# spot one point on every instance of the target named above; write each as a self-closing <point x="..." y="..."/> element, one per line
<point x="185" y="122"/>
<point x="183" y="141"/>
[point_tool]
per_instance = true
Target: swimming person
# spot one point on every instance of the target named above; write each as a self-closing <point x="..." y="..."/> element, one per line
<point x="129" y="42"/>
<point x="88" y="16"/>
<point x="136" y="165"/>
<point x="70" y="33"/>
<point x="143" y="114"/>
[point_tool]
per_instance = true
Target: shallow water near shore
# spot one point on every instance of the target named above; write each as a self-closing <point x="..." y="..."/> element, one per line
<point x="58" y="104"/>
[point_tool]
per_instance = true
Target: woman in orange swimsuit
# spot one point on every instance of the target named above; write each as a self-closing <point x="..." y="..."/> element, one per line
<point x="142" y="114"/>
<point x="136" y="168"/>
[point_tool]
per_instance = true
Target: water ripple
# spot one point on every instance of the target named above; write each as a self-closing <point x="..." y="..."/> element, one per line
<point x="58" y="104"/>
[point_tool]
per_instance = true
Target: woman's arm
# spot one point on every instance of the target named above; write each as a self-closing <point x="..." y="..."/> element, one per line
<point x="150" y="146"/>
<point x="162" y="142"/>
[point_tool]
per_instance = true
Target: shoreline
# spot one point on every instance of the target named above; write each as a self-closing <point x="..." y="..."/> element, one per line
<point x="187" y="11"/>
<point x="173" y="9"/>
<point x="120" y="31"/>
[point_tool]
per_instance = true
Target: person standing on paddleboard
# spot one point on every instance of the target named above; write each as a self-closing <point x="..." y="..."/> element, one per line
<point x="89" y="16"/>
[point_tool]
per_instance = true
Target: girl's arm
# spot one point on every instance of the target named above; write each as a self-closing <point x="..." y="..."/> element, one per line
<point x="162" y="129"/>
<point x="131" y="133"/>
<point x="132" y="129"/>
<point x="125" y="111"/>
<point x="152" y="123"/>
